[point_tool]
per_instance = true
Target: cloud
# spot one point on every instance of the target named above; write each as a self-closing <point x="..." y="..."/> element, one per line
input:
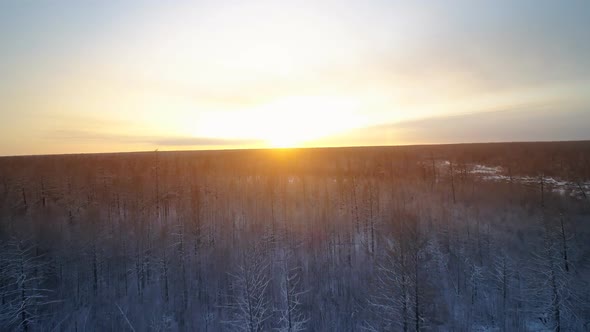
<point x="203" y="141"/>
<point x="525" y="123"/>
<point x="165" y="141"/>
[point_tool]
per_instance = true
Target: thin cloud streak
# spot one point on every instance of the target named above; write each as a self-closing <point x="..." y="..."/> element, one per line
<point x="165" y="141"/>
<point x="540" y="123"/>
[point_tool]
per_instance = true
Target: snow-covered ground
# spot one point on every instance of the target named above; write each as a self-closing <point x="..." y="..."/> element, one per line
<point x="560" y="186"/>
<point x="487" y="170"/>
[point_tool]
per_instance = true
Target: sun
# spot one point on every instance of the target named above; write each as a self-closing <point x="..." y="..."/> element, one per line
<point x="297" y="121"/>
<point x="287" y="122"/>
<point x="284" y="142"/>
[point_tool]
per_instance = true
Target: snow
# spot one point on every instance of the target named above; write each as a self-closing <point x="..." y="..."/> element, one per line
<point x="556" y="185"/>
<point x="483" y="169"/>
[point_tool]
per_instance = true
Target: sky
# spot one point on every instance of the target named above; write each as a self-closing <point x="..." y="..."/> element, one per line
<point x="107" y="76"/>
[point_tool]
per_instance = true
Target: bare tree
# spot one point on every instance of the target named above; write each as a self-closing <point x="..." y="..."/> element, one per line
<point x="552" y="290"/>
<point x="249" y="303"/>
<point x="21" y="290"/>
<point x="502" y="273"/>
<point x="390" y="301"/>
<point x="291" y="317"/>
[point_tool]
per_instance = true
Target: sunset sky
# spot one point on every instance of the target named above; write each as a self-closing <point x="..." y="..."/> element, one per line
<point x="99" y="76"/>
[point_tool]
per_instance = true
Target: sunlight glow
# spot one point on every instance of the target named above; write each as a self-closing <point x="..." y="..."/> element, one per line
<point x="286" y="122"/>
<point x="119" y="76"/>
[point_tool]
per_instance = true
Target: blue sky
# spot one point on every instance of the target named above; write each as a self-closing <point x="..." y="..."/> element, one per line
<point x="96" y="76"/>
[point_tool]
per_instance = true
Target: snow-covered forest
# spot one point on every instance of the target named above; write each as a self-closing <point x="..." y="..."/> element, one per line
<point x="345" y="239"/>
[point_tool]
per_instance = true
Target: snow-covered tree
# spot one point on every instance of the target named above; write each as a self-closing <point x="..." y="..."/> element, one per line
<point x="22" y="292"/>
<point x="291" y="317"/>
<point x="249" y="303"/>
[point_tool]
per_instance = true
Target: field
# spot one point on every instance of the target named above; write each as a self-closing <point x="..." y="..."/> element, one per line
<point x="470" y="237"/>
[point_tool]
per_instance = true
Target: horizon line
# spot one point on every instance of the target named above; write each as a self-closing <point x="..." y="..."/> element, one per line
<point x="293" y="148"/>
